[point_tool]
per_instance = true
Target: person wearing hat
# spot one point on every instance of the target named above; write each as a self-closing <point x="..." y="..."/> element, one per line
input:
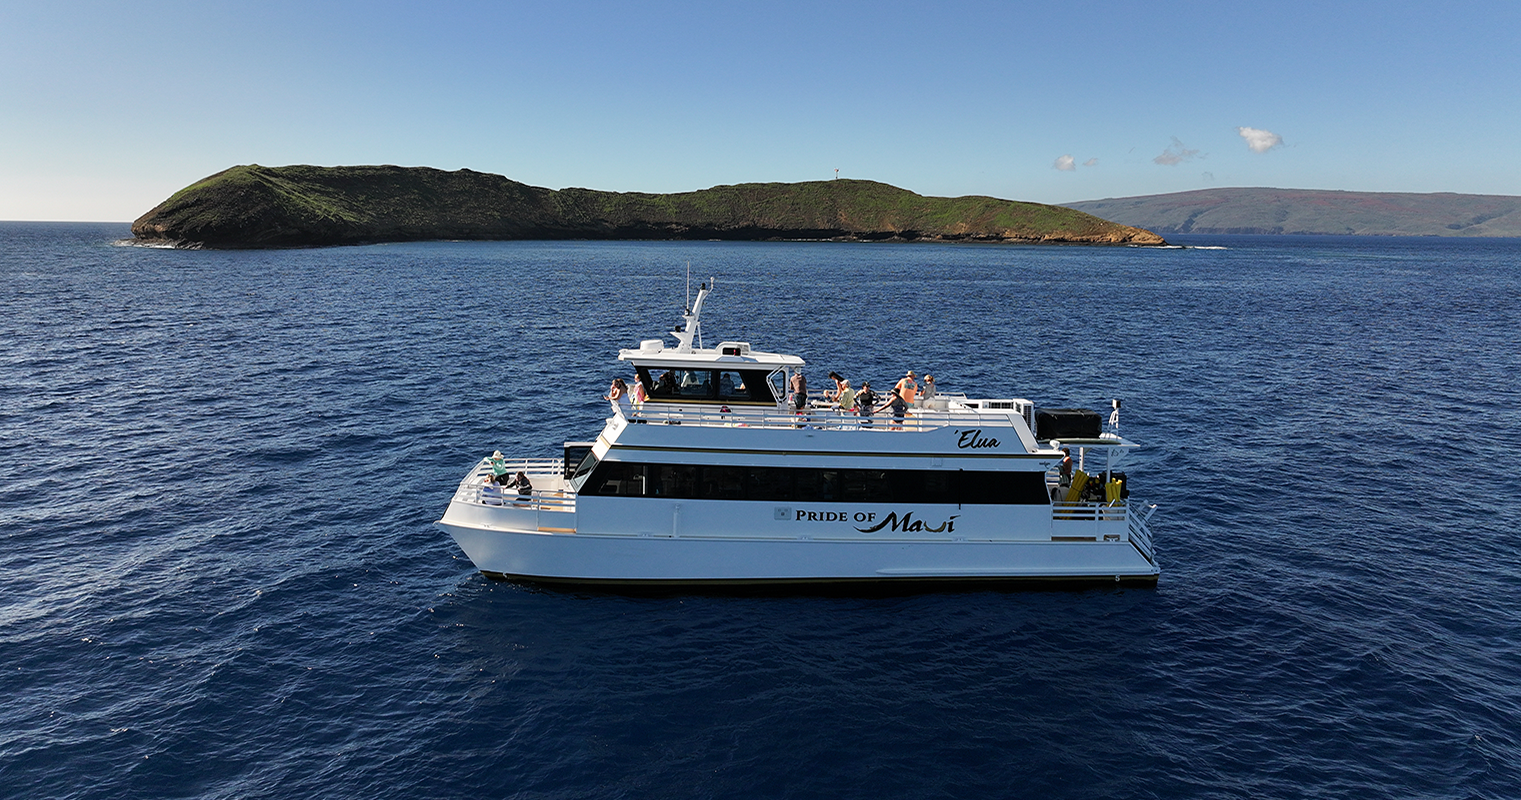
<point x="929" y="391"/>
<point x="898" y="405"/>
<point x="907" y="388"/>
<point x="498" y="468"/>
<point x="866" y="403"/>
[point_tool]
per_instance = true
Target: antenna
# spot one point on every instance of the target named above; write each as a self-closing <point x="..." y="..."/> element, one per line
<point x="688" y="306"/>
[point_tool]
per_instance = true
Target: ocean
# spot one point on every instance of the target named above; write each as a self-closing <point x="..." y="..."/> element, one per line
<point x="219" y="576"/>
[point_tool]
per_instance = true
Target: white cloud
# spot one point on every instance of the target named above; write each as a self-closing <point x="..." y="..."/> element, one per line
<point x="1176" y="154"/>
<point x="1065" y="164"/>
<point x="1260" y="141"/>
<point x="1092" y="162"/>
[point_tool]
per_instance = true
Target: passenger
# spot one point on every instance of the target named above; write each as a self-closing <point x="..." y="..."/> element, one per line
<point x="929" y="391"/>
<point x="866" y="403"/>
<point x="899" y="407"/>
<point x="498" y="468"/>
<point x="618" y="394"/>
<point x="491" y="493"/>
<point x="523" y="488"/>
<point x="639" y="393"/>
<point x="666" y="386"/>
<point x="799" y="391"/>
<point x="833" y="395"/>
<point x="1064" y="472"/>
<point x="907" y="388"/>
<point x="847" y="397"/>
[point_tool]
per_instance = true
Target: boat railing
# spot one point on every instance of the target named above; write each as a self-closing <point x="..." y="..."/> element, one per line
<point x="1094" y="512"/>
<point x="540" y="471"/>
<point x="822" y="417"/>
<point x="554" y="500"/>
<point x="1140" y="533"/>
<point x="1110" y="522"/>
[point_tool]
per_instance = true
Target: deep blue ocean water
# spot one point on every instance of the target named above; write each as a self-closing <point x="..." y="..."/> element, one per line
<point x="219" y="578"/>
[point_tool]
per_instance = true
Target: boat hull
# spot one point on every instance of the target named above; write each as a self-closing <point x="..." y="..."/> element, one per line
<point x="653" y="559"/>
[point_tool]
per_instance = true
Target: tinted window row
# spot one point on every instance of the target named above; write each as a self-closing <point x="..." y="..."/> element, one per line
<point x="803" y="484"/>
<point x="728" y="385"/>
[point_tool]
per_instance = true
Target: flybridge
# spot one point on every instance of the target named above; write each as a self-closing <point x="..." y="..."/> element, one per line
<point x="653" y="352"/>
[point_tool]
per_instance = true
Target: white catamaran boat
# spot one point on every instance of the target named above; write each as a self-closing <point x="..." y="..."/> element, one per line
<point x="716" y="478"/>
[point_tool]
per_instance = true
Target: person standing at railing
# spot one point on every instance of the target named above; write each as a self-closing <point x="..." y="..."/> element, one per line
<point x="929" y="391"/>
<point x="899" y="407"/>
<point x="799" y="391"/>
<point x="1064" y="472"/>
<point x="907" y="388"/>
<point x="866" y="403"/>
<point x="638" y="394"/>
<point x="498" y="468"/>
<point x="618" y="394"/>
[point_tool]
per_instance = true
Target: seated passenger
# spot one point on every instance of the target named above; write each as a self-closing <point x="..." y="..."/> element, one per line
<point x="491" y="494"/>
<point x="666" y="386"/>
<point x="520" y="483"/>
<point x="523" y="487"/>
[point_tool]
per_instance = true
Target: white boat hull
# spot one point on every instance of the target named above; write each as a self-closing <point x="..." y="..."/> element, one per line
<point x="693" y="558"/>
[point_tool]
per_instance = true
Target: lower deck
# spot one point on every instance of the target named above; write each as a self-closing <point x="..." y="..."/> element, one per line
<point x="552" y="534"/>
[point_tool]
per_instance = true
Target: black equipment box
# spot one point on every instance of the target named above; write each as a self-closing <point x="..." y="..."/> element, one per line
<point x="1066" y="423"/>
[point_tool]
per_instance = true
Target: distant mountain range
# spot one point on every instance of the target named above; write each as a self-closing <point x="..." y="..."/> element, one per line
<point x="1314" y="212"/>
<point x="302" y="206"/>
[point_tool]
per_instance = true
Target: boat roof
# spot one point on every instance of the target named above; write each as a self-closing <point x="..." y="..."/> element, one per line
<point x="714" y="357"/>
<point x="654" y="353"/>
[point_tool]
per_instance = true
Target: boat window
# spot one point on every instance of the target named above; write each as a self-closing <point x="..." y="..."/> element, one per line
<point x="778" y="381"/>
<point x="664" y="385"/>
<point x="693" y="382"/>
<point x="673" y="480"/>
<point x="775" y="484"/>
<point x="818" y="485"/>
<point x="732" y="386"/>
<point x="582" y="471"/>
<point x="617" y="479"/>
<point x="803" y="484"/>
<point x="723" y="483"/>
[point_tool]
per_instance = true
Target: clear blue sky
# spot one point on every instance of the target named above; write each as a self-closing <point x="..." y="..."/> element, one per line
<point x="106" y="108"/>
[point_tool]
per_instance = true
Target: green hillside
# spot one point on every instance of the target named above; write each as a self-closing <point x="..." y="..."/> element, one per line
<point x="254" y="206"/>
<point x="1308" y="211"/>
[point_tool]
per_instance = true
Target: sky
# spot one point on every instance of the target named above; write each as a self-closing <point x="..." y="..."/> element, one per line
<point x="107" y="108"/>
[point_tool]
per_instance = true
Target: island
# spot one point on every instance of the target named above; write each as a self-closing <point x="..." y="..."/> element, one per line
<point x="253" y="206"/>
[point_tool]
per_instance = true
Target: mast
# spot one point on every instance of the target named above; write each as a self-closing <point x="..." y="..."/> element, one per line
<point x="691" y="327"/>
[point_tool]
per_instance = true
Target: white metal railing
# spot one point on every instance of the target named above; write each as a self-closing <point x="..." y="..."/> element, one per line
<point x="1075" y="518"/>
<point x="475" y="489"/>
<point x="1089" y="512"/>
<point x="1140" y="534"/>
<point x="821" y="416"/>
<point x="538" y="500"/>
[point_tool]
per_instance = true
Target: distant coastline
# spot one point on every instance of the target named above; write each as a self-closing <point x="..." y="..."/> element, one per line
<point x="1312" y="211"/>
<point x="253" y="206"/>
